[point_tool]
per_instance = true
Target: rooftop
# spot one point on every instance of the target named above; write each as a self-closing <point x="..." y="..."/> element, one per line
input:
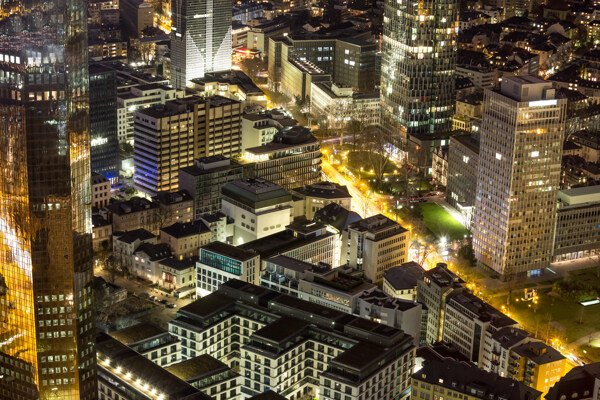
<point x="337" y="216"/>
<point x="282" y="330"/>
<point x="268" y="395"/>
<point x="325" y="190"/>
<point x="280" y="242"/>
<point x="286" y="138"/>
<point x="197" y="368"/>
<point x="156" y="252"/>
<point x="256" y="193"/>
<point x="404" y="276"/>
<point x="484" y="311"/>
<point x="119" y="355"/>
<point x="208" y="305"/>
<point x="173" y="197"/>
<point x="538" y="352"/>
<point x="376" y="223"/>
<point x="224" y="249"/>
<point x="181" y="230"/>
<point x="578" y="381"/>
<point x="510" y="336"/>
<point x="179" y="265"/>
<point x="290" y="263"/>
<point x="137" y="333"/>
<point x="442" y="276"/>
<point x="465" y="378"/>
<point x="132" y="236"/>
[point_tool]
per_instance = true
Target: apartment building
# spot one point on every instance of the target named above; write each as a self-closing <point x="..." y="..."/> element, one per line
<point x="210" y="376"/>
<point x="293" y="158"/>
<point x="101" y="192"/>
<point x="185" y="239"/>
<point x="497" y="349"/>
<point x="582" y="382"/>
<point x="221" y="262"/>
<point x="125" y="243"/>
<point x="146" y="258"/>
<point x="135" y="213"/>
<point x="295" y="347"/>
<point x="537" y="365"/>
<point x="258" y="208"/>
<point x="401" y="281"/>
<point x="432" y="291"/>
<point x="315" y="197"/>
<point x="374" y="245"/>
<point x="154" y="343"/>
<point x="453" y="379"/>
<point x="174" y="207"/>
<point x="467" y="318"/>
<point x="124" y="373"/>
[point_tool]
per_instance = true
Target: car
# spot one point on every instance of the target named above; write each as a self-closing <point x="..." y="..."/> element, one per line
<point x="153" y="298"/>
<point x="163" y="301"/>
<point x="169" y="305"/>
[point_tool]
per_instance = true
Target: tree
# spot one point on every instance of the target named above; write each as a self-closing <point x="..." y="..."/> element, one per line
<point x="355" y="128"/>
<point x="467" y="254"/>
<point x="252" y="66"/>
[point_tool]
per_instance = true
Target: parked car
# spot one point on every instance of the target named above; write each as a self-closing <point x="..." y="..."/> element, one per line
<point x="163" y="301"/>
<point x="169" y="305"/>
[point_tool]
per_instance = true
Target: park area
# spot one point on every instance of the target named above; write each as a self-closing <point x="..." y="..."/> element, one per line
<point x="441" y="223"/>
<point x="558" y="314"/>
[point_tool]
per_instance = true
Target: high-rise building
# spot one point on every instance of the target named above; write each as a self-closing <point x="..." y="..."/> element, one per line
<point x="418" y="66"/>
<point x="104" y="143"/>
<point x="46" y="305"/>
<point x="522" y="135"/>
<point x="200" y="39"/>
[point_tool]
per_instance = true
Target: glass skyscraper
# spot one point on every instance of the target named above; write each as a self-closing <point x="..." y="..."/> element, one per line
<point x="200" y="39"/>
<point x="46" y="275"/>
<point x="419" y="48"/>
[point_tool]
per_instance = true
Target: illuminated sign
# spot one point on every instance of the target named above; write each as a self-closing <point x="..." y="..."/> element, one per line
<point x="543" y="103"/>
<point x="98" y="142"/>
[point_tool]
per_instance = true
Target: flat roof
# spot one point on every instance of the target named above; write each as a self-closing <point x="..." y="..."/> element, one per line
<point x="580" y="195"/>
<point x="361" y="355"/>
<point x="137" y="333"/>
<point x="404" y="276"/>
<point x="208" y="305"/>
<point x="290" y="263"/>
<point x="224" y="249"/>
<point x="197" y="368"/>
<point x="282" y="329"/>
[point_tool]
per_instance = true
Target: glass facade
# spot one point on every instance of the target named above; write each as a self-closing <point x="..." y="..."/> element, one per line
<point x="104" y="142"/>
<point x="226" y="264"/>
<point x="46" y="310"/>
<point x="200" y="39"/>
<point x="418" y="66"/>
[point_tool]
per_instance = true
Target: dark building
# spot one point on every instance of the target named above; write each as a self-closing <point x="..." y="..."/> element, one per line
<point x="104" y="143"/>
<point x="47" y="325"/>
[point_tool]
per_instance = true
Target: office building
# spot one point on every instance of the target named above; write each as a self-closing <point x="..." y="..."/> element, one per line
<point x="200" y="40"/>
<point x="293" y="158"/>
<point x="221" y="262"/>
<point x="259" y="128"/>
<point x="136" y="15"/>
<point x="123" y="373"/>
<point x="104" y="142"/>
<point x="258" y="208"/>
<point x="432" y="291"/>
<point x="457" y="379"/>
<point x="45" y="216"/>
<point x="519" y="169"/>
<point x="295" y="347"/>
<point x="401" y="281"/>
<point x="137" y="97"/>
<point x="463" y="163"/>
<point x="582" y="382"/>
<point x="576" y="234"/>
<point x="339" y="104"/>
<point x="304" y="240"/>
<point x="154" y="343"/>
<point x="170" y="136"/>
<point x="312" y="198"/>
<point x="374" y="245"/>
<point x="467" y="318"/>
<point x="205" y="179"/>
<point x="418" y="67"/>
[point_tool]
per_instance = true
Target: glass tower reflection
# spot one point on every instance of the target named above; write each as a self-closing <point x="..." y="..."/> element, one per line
<point x="46" y="310"/>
